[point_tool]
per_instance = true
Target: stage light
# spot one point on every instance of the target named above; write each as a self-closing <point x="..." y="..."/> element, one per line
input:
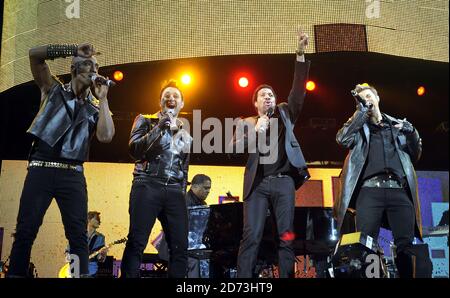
<point x="243" y="82"/>
<point x="186" y="79"/>
<point x="288" y="236"/>
<point x="421" y="90"/>
<point x="118" y="75"/>
<point x="310" y="86"/>
<point x="353" y="255"/>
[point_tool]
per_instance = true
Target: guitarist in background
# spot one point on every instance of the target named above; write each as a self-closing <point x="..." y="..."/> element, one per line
<point x="96" y="242"/>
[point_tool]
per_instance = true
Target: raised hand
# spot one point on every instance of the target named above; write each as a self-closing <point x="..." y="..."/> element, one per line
<point x="302" y="41"/>
<point x="86" y="50"/>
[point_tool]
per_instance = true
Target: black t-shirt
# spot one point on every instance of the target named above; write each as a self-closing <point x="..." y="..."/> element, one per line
<point x="40" y="150"/>
<point x="282" y="164"/>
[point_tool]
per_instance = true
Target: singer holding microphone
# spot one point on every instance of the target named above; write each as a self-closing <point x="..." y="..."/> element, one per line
<point x="273" y="184"/>
<point x="69" y="115"/>
<point x="160" y="147"/>
<point x="378" y="178"/>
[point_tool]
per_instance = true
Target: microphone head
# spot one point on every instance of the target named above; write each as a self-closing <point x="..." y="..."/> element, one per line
<point x="96" y="78"/>
<point x="269" y="111"/>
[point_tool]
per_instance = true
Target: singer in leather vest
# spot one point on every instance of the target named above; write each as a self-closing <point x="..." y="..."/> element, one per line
<point x="160" y="147"/>
<point x="378" y="177"/>
<point x="69" y="115"/>
<point x="57" y="121"/>
<point x="271" y="178"/>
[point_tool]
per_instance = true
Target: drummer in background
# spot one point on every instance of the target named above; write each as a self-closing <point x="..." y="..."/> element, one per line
<point x="200" y="188"/>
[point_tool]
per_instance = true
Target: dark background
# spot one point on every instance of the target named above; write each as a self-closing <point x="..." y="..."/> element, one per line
<point x="215" y="93"/>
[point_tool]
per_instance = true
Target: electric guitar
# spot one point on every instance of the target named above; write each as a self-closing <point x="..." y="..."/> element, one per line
<point x="64" y="272"/>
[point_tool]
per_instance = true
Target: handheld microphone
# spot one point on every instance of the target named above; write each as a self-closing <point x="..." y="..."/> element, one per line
<point x="360" y="100"/>
<point x="96" y="79"/>
<point x="269" y="112"/>
<point x="172" y="124"/>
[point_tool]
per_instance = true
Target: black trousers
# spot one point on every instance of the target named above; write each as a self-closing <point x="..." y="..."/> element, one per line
<point x="149" y="200"/>
<point x="279" y="192"/>
<point x="372" y="203"/>
<point x="41" y="186"/>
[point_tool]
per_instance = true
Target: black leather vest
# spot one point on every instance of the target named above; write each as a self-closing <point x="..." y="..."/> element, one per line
<point x="55" y="120"/>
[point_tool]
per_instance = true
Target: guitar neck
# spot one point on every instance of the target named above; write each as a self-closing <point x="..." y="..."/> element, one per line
<point x="94" y="254"/>
<point x="107" y="247"/>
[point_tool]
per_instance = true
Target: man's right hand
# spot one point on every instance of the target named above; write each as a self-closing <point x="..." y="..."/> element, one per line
<point x="165" y="121"/>
<point x="366" y="107"/>
<point x="361" y="107"/>
<point x="86" y="50"/>
<point x="262" y="124"/>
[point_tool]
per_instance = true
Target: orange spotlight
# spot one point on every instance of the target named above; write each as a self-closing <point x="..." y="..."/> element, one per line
<point x="243" y="82"/>
<point x="118" y="75"/>
<point x="310" y="85"/>
<point x="186" y="79"/>
<point x="421" y="90"/>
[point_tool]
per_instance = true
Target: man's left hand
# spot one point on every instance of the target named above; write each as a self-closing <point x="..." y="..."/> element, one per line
<point x="405" y="126"/>
<point x="303" y="39"/>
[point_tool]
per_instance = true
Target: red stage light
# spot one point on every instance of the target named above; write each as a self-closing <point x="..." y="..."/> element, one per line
<point x="118" y="75"/>
<point x="421" y="91"/>
<point x="243" y="82"/>
<point x="310" y="85"/>
<point x="288" y="236"/>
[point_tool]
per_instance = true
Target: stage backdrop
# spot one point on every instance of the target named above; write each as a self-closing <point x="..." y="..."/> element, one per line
<point x="109" y="186"/>
<point x="128" y="31"/>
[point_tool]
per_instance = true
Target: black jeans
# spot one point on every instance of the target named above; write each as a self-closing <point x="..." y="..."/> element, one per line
<point x="41" y="185"/>
<point x="149" y="200"/>
<point x="372" y="203"/>
<point x="280" y="193"/>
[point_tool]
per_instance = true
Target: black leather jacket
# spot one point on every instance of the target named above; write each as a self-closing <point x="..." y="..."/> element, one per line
<point x="355" y="136"/>
<point x="153" y="150"/>
<point x="55" y="120"/>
